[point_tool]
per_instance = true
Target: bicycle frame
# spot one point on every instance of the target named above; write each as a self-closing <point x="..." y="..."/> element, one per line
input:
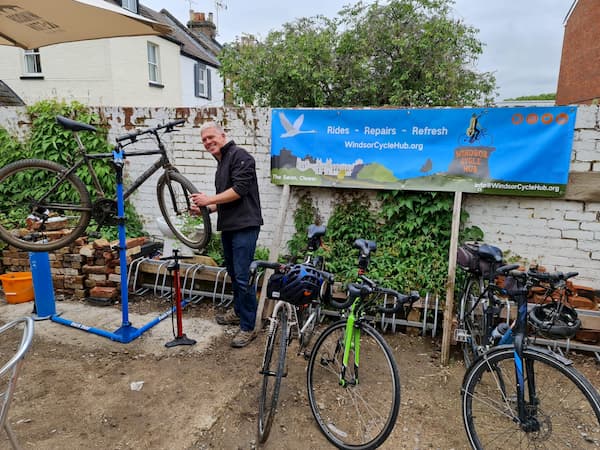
<point x="162" y="162"/>
<point x="351" y="341"/>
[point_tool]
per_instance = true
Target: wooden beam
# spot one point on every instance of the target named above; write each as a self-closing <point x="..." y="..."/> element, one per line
<point x="583" y="186"/>
<point x="273" y="254"/>
<point x="448" y="311"/>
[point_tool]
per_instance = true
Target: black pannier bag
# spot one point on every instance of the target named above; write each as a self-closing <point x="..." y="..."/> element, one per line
<point x="274" y="285"/>
<point x="479" y="259"/>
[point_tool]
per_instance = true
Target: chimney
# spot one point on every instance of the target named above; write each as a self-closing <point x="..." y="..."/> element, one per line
<point x="199" y="24"/>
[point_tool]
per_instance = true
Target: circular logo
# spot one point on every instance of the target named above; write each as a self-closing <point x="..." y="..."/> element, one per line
<point x="517" y="119"/>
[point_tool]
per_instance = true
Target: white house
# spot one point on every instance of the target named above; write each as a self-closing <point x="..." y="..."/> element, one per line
<point x="175" y="70"/>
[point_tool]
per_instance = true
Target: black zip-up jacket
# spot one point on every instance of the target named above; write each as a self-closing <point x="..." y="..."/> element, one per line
<point x="237" y="170"/>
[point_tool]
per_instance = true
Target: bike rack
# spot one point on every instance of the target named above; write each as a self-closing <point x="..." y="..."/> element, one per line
<point x="191" y="275"/>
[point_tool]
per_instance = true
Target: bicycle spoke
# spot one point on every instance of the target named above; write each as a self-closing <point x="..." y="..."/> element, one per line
<point x="361" y="413"/>
<point x="563" y="413"/>
<point x="51" y="211"/>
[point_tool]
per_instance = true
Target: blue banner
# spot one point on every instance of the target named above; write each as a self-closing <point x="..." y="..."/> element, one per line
<point x="522" y="151"/>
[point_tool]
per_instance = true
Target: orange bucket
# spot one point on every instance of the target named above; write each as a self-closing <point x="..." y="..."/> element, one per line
<point x="18" y="287"/>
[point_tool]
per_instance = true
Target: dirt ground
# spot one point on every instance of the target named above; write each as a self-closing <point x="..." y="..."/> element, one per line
<point x="77" y="390"/>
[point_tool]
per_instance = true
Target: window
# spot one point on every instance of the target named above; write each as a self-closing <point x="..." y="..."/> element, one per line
<point x="153" y="63"/>
<point x="201" y="81"/>
<point x="33" y="63"/>
<point x="131" y="5"/>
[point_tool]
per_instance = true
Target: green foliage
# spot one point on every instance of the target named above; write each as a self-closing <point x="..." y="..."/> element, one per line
<point x="12" y="149"/>
<point x="398" y="53"/>
<point x="48" y="140"/>
<point x="551" y="96"/>
<point x="305" y="214"/>
<point x="412" y="231"/>
<point x="352" y="219"/>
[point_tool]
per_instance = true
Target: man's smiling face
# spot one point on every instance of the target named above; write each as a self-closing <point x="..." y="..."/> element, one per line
<point x="213" y="141"/>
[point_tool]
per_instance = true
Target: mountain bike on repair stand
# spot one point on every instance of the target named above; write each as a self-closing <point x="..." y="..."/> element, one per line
<point x="54" y="206"/>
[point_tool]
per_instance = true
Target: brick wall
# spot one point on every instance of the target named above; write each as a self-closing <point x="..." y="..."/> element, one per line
<point x="579" y="78"/>
<point x="560" y="234"/>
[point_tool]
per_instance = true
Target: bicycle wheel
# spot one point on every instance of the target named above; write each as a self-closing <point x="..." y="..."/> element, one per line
<point x="41" y="209"/>
<point x="272" y="371"/>
<point x="471" y="320"/>
<point x="565" y="412"/>
<point x="173" y="191"/>
<point x="361" y="414"/>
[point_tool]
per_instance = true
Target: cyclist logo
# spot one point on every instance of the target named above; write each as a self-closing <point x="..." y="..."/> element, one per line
<point x="475" y="134"/>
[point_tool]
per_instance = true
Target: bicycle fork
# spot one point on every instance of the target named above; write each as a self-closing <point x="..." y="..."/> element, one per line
<point x="527" y="411"/>
<point x="351" y="342"/>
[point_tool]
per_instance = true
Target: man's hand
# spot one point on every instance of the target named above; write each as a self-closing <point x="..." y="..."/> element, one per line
<point x="200" y="199"/>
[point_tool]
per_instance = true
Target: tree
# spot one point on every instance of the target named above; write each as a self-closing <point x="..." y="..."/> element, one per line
<point x="401" y="53"/>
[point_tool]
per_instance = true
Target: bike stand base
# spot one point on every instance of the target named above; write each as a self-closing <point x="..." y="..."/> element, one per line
<point x="183" y="340"/>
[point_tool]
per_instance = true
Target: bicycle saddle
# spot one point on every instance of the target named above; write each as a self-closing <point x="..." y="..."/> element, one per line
<point x="73" y="125"/>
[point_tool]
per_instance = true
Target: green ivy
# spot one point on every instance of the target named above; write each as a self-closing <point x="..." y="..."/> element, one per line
<point x="306" y="213"/>
<point x="412" y="231"/>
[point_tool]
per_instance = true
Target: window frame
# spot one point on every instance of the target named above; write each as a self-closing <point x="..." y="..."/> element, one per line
<point x="203" y="69"/>
<point x="37" y="63"/>
<point x="153" y="64"/>
<point x="130" y="5"/>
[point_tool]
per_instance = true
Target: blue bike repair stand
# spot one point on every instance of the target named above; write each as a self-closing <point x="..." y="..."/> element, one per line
<point x="43" y="288"/>
<point x="126" y="332"/>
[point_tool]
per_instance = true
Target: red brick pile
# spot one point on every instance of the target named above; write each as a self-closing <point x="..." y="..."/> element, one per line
<point x="83" y="269"/>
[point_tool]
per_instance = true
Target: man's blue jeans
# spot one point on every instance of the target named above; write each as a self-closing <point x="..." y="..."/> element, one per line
<point x="238" y="248"/>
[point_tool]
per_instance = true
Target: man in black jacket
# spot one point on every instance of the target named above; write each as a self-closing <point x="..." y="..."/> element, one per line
<point x="239" y="219"/>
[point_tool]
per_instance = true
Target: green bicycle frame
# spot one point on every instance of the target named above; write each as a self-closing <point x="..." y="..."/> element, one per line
<point x="351" y="340"/>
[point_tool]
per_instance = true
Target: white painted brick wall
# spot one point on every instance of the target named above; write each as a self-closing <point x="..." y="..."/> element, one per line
<point x="559" y="234"/>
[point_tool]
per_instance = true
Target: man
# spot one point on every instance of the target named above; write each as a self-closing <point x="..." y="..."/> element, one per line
<point x="239" y="219"/>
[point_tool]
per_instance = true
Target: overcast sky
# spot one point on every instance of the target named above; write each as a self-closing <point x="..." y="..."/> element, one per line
<point x="523" y="38"/>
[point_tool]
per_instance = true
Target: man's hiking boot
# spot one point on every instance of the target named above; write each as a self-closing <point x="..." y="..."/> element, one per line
<point x="242" y="338"/>
<point x="228" y="318"/>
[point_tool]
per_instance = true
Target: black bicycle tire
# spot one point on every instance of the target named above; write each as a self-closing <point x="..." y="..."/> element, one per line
<point x="469" y="348"/>
<point x="76" y="183"/>
<point x="265" y="416"/>
<point x="491" y="362"/>
<point x="395" y="378"/>
<point x="205" y="213"/>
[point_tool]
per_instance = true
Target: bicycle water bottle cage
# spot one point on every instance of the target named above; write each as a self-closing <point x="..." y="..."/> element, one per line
<point x="315" y="233"/>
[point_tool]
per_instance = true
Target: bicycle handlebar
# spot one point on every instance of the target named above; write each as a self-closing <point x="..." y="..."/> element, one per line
<point x="551" y="276"/>
<point x="134" y="134"/>
<point x="368" y="287"/>
<point x="329" y="277"/>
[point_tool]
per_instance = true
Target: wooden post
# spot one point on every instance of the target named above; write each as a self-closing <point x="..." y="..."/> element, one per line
<point x="448" y="311"/>
<point x="273" y="252"/>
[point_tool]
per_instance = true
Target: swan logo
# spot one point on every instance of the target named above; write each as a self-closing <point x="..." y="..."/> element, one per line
<point x="292" y="130"/>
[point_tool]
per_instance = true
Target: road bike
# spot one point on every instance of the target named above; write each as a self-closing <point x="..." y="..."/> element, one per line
<point x="481" y="300"/>
<point x="54" y="206"/>
<point x="301" y="288"/>
<point x="523" y="396"/>
<point x="352" y="376"/>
